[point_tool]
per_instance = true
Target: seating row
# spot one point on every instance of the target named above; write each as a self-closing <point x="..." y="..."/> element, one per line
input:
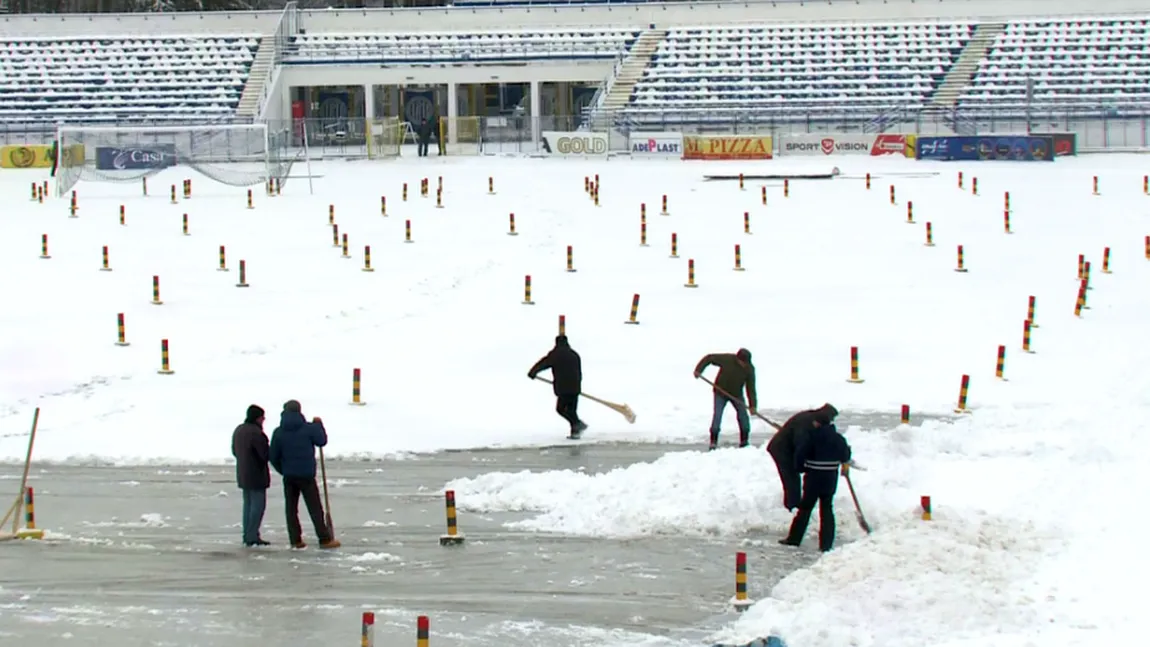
<point x="124" y="78"/>
<point x="460" y="46"/>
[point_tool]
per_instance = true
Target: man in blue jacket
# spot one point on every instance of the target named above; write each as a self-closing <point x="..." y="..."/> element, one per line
<point x="820" y="455"/>
<point x="293" y="456"/>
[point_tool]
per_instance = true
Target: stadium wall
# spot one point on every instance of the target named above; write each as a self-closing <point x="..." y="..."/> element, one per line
<point x="597" y="15"/>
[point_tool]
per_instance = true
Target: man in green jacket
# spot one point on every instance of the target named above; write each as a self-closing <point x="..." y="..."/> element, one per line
<point x="736" y="372"/>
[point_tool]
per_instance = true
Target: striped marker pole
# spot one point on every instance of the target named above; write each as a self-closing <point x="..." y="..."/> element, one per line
<point x="29" y="531"/>
<point x="570" y="258"/>
<point x="527" y="291"/>
<point x="44" y="246"/>
<point x="121" y="336"/>
<point x="929" y="236"/>
<point x="634" y="319"/>
<point x="924" y="502"/>
<point x="422" y="631"/>
<point x="562" y="324"/>
<point x="963" y="389"/>
<point x="106" y="267"/>
<point x="904" y="415"/>
<point x="854" y="378"/>
<point x="355" y="384"/>
<point x="1000" y="364"/>
<point x="453" y="536"/>
<point x="1026" y="326"/>
<point x="367" y="259"/>
<point x="741" y="602"/>
<point x="165" y="360"/>
<point x="156" y="291"/>
<point x="367" y="630"/>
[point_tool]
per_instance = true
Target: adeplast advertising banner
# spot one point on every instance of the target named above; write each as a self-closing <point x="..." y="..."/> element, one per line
<point x="856" y="144"/>
<point x="727" y="147"/>
<point x="1009" y="148"/>
<point x="570" y="144"/>
<point x="656" y="145"/>
<point x="136" y="158"/>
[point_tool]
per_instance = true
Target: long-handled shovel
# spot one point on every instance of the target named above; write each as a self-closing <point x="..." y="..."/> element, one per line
<point x="620" y="408"/>
<point x="858" y="510"/>
<point x="326" y="499"/>
<point x="737" y="403"/>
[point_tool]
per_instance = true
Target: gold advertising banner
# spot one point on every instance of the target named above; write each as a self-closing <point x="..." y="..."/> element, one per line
<point x="39" y="156"/>
<point x="727" y="147"/>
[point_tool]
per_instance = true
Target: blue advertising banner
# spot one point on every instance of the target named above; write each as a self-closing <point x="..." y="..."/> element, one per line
<point x="1010" y="148"/>
<point x="136" y="158"/>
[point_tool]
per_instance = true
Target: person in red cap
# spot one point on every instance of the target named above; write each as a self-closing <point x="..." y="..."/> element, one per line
<point x="736" y="372"/>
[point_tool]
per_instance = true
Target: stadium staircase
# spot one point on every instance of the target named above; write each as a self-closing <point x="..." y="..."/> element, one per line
<point x="258" y="75"/>
<point x="965" y="67"/>
<point x="622" y="84"/>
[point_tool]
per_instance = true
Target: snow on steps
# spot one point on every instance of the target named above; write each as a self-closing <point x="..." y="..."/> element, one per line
<point x="258" y="76"/>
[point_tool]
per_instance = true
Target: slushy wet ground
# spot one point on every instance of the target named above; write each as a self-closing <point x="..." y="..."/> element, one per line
<point x="151" y="556"/>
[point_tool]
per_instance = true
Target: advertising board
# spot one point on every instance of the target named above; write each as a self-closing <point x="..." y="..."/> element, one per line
<point x="571" y="144"/>
<point x="1007" y="148"/>
<point x="656" y="145"/>
<point x="39" y="156"/>
<point x="848" y="144"/>
<point x="136" y="158"/>
<point x="727" y="147"/>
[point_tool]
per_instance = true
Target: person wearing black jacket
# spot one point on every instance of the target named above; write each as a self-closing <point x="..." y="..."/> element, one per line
<point x="820" y="456"/>
<point x="782" y="448"/>
<point x="567" y="382"/>
<point x="424" y="136"/>
<point x="250" y="448"/>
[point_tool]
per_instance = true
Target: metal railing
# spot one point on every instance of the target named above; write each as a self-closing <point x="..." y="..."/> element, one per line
<point x="318" y="53"/>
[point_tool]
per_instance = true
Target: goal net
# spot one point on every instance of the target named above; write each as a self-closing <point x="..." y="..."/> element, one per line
<point x="232" y="154"/>
<point x="385" y="138"/>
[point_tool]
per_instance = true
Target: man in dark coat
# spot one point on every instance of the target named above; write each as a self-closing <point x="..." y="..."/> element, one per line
<point x="293" y="456"/>
<point x="736" y="372"/>
<point x="567" y="382"/>
<point x="821" y="455"/>
<point x="424" y="135"/>
<point x="786" y="440"/>
<point x="250" y="448"/>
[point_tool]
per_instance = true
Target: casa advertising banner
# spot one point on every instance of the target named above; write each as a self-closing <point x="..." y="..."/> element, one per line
<point x="577" y="144"/>
<point x="1008" y="148"/>
<point x="135" y="159"/>
<point x="851" y="144"/>
<point x="727" y="147"/>
<point x="656" y="145"/>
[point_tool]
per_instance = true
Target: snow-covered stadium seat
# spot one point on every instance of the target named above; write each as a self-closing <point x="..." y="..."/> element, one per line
<point x="123" y="78"/>
<point x="454" y="47"/>
<point x="1074" y="63"/>
<point x="796" y="71"/>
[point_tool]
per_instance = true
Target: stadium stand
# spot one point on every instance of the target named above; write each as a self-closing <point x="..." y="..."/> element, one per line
<point x="798" y="70"/>
<point x="442" y="47"/>
<point x="123" y="78"/>
<point x="1073" y="63"/>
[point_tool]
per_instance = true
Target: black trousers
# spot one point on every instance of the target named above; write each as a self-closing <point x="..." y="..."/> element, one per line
<point x="293" y="488"/>
<point x="423" y="145"/>
<point x="818" y="488"/>
<point x="567" y="406"/>
<point x="790" y="478"/>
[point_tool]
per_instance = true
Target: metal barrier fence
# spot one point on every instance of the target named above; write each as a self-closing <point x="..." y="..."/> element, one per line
<point x="344" y="137"/>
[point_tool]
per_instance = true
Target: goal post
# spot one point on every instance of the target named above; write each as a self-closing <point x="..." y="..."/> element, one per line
<point x="385" y="138"/>
<point x="232" y="154"/>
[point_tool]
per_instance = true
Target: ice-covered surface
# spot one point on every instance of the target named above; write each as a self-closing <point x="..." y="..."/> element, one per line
<point x="1036" y="526"/>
